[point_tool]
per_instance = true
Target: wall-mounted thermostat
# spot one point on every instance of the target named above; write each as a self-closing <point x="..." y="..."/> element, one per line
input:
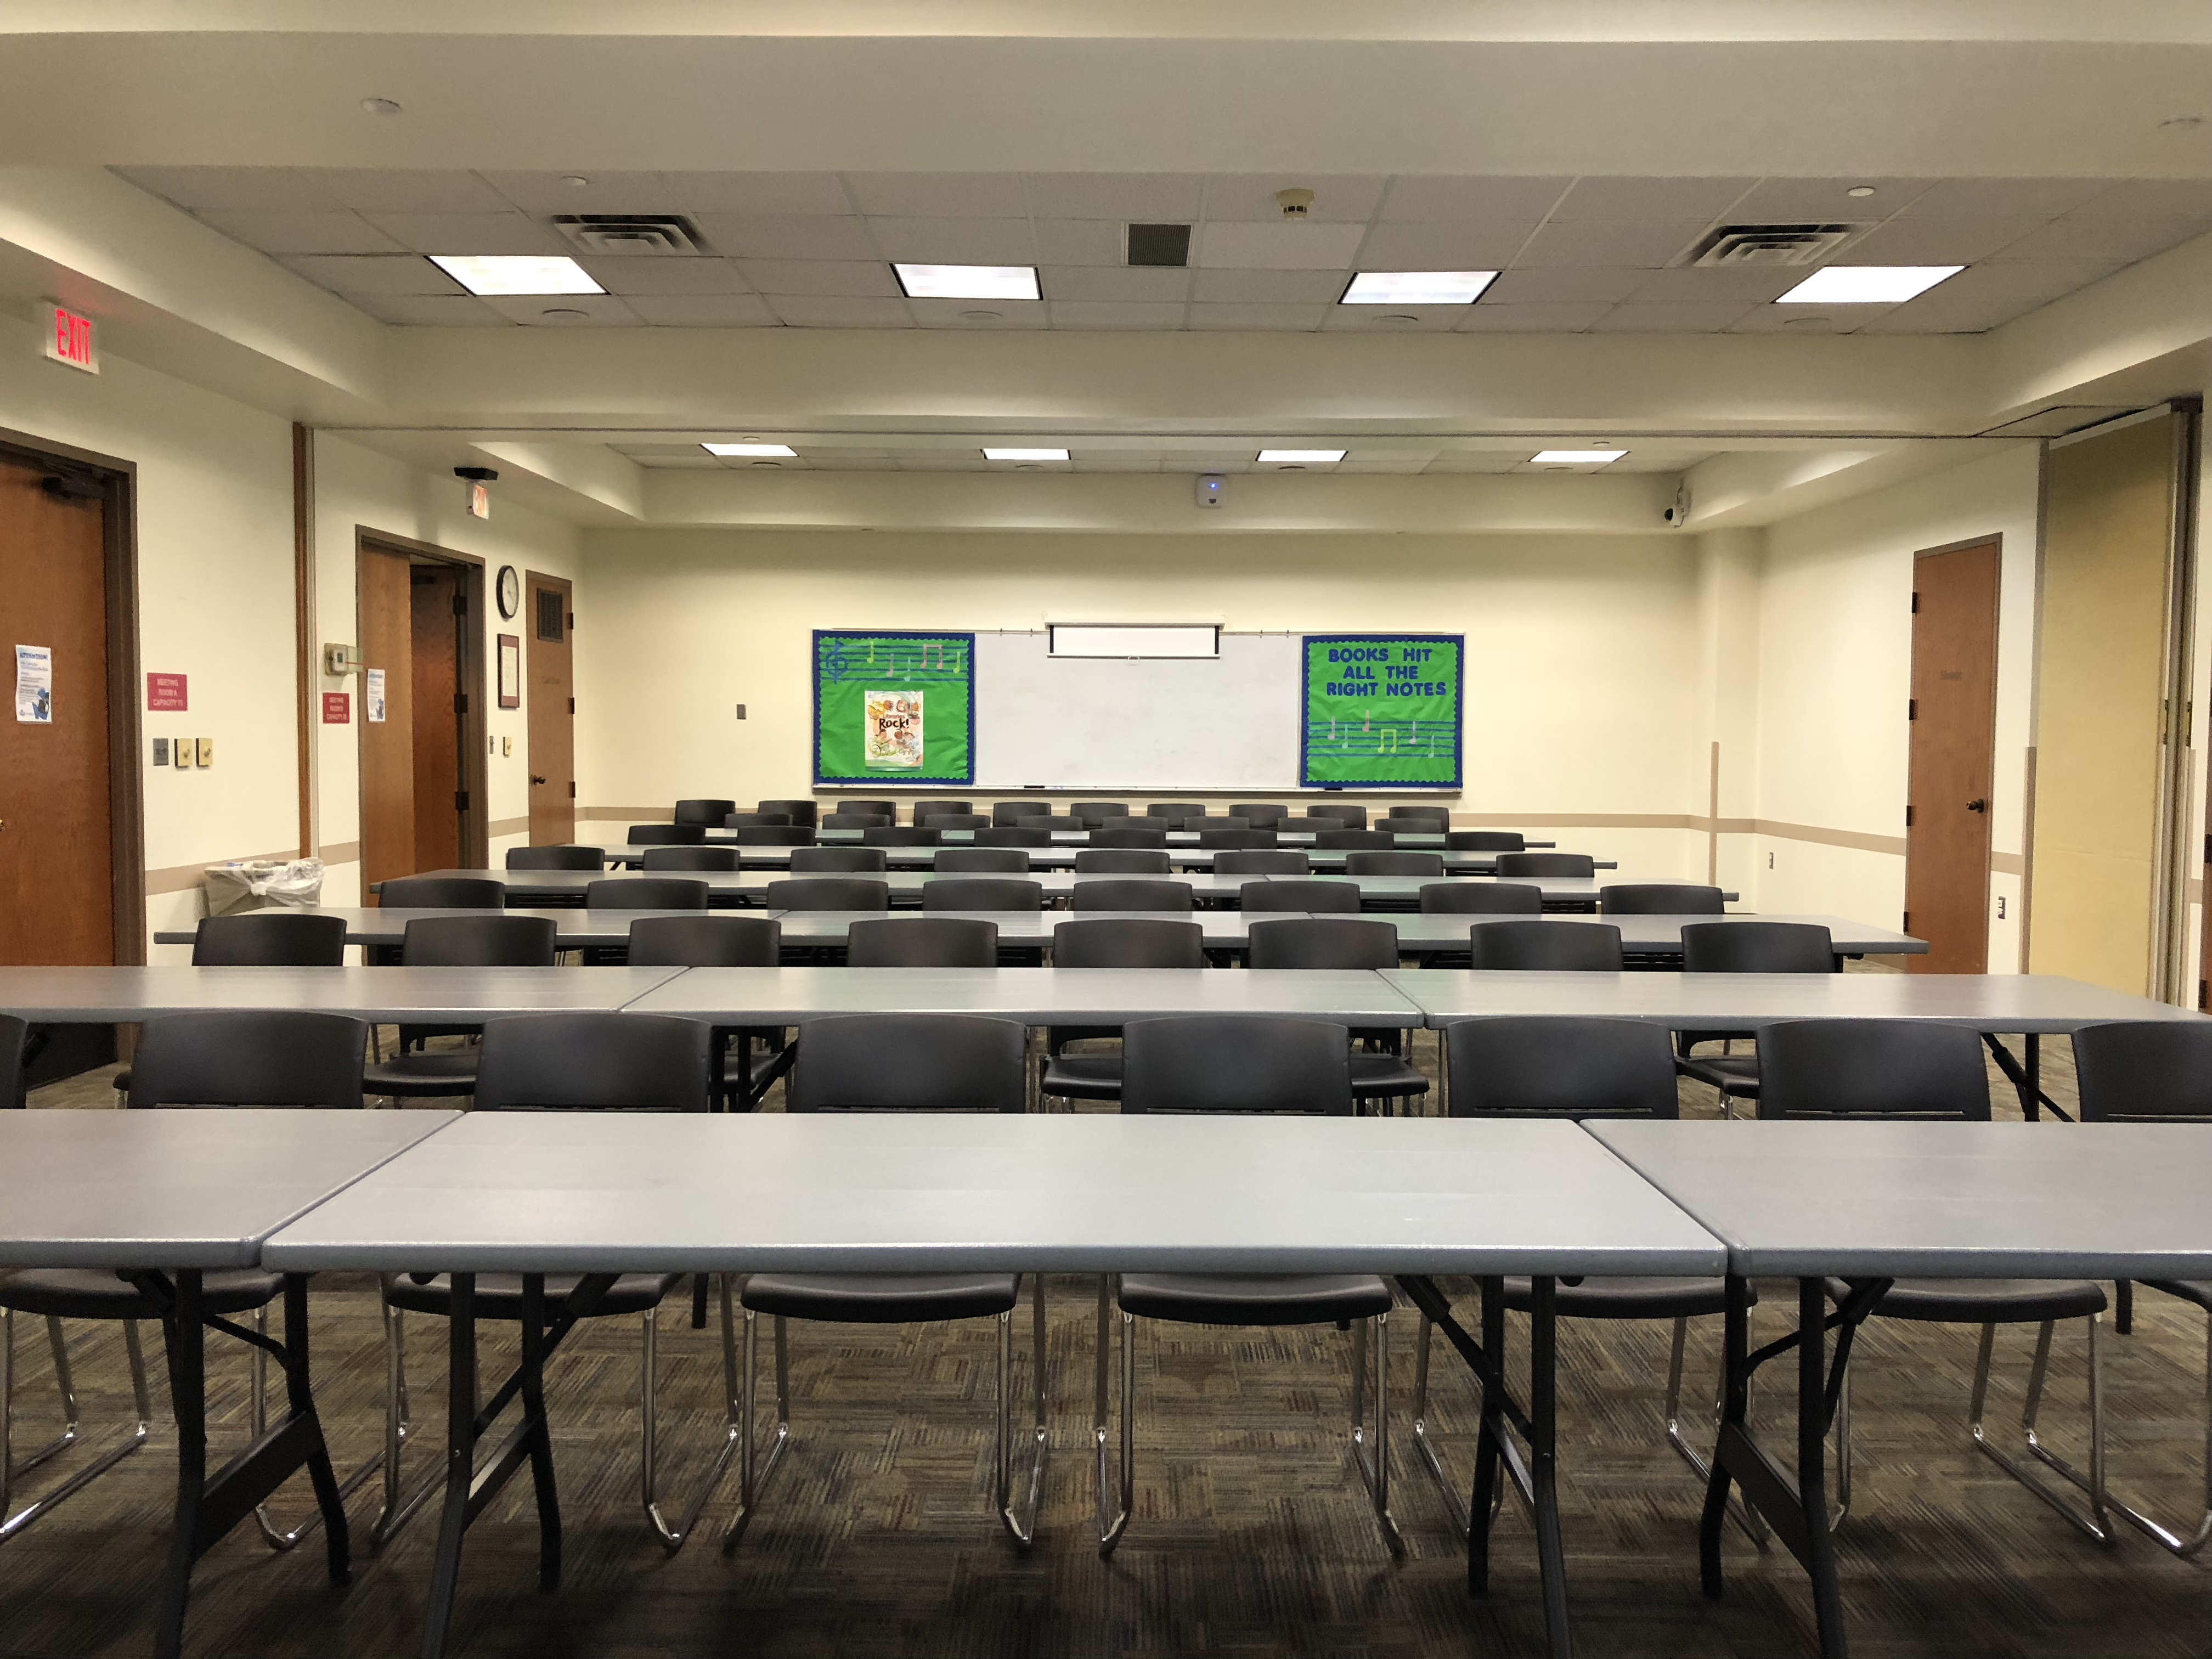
<point x="341" y="659"/>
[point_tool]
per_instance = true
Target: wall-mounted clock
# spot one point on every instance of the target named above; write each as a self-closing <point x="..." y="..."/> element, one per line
<point x="510" y="592"/>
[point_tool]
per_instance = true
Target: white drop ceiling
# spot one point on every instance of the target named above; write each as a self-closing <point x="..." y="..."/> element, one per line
<point x="963" y="453"/>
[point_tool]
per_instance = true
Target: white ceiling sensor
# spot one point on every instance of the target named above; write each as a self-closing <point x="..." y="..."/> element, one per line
<point x="1866" y="285"/>
<point x="1417" y="288"/>
<point x="1024" y="454"/>
<point x="1575" y="456"/>
<point x="516" y="273"/>
<point x="967" y="281"/>
<point x="779" y="450"/>
<point x="1300" y="457"/>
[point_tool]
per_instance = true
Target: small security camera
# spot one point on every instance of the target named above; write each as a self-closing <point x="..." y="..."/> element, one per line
<point x="1677" y="513"/>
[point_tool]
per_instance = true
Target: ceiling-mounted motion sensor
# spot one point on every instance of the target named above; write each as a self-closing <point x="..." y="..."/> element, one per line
<point x="1294" y="203"/>
<point x="1212" y="489"/>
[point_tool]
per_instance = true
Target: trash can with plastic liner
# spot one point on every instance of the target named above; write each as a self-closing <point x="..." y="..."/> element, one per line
<point x="263" y="885"/>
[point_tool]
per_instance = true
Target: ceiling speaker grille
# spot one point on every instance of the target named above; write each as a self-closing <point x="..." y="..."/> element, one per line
<point x="1770" y="245"/>
<point x="647" y="233"/>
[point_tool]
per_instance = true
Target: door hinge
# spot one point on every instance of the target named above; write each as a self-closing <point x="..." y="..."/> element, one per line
<point x="460" y="702"/>
<point x="1908" y="817"/>
<point x="571" y="792"/>
<point x="572" y="622"/>
<point x="1916" y="604"/>
<point x="1912" y="708"/>
<point x="460" y="800"/>
<point x="1908" y="922"/>
<point x="460" y="602"/>
<point x="2208" y="849"/>
<point x="572" y="705"/>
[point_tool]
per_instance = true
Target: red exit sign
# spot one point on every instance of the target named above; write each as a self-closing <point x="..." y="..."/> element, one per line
<point x="69" y="338"/>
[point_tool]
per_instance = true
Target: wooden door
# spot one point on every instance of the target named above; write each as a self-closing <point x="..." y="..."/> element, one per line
<point x="57" y="864"/>
<point x="435" y="590"/>
<point x="552" y="712"/>
<point x="387" y="746"/>
<point x="1954" y="733"/>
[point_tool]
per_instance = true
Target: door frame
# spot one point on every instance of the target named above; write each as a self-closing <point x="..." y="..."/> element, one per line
<point x="476" y="842"/>
<point x="126" y="805"/>
<point x="533" y="579"/>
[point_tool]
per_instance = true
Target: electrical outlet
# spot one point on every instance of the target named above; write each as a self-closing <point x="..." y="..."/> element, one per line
<point x="1770" y="859"/>
<point x="2001" y="906"/>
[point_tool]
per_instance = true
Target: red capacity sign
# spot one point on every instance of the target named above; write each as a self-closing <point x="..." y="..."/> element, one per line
<point x="165" y="693"/>
<point x="338" y="707"/>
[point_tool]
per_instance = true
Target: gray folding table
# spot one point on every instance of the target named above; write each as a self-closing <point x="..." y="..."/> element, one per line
<point x="574" y="929"/>
<point x="1652" y="936"/>
<point x="566" y="887"/>
<point x="1078" y="1193"/>
<point x="1221" y="930"/>
<point x="1560" y="892"/>
<point x="161" y="1197"/>
<point x="1874" y="1202"/>
<point x="412" y="996"/>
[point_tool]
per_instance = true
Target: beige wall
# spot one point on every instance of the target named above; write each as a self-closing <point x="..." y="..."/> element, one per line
<point x="1581" y="692"/>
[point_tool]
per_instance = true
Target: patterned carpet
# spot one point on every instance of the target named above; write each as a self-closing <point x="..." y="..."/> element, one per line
<point x="1251" y="1533"/>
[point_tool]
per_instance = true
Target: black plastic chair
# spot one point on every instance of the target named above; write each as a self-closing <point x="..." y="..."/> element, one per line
<point x="983" y="861"/>
<point x="1129" y="836"/>
<point x="1249" y="1064"/>
<point x="1262" y="861"/>
<point x="884" y="809"/>
<point x="556" y="858"/>
<point x="1108" y="942"/>
<point x="1316" y="897"/>
<point x="704" y="810"/>
<point x="901" y="1063"/>
<point x="442" y="893"/>
<point x="1261" y="815"/>
<point x="838" y="860"/>
<point x="1485" y="898"/>
<point x="1743" y="947"/>
<point x="922" y="942"/>
<point x="1008" y="814"/>
<point x="270" y="938"/>
<point x="646" y="893"/>
<point x="1885" y="1069"/>
<point x="1547" y="864"/>
<point x="667" y="834"/>
<point x="15" y="1086"/>
<point x="1548" y="1066"/>
<point x="1380" y="1069"/>
<point x="1485" y="840"/>
<point x="1369" y="839"/>
<point x="1659" y="898"/>
<point x="2154" y="1071"/>
<point x="1393" y="864"/>
<point x="1232" y="839"/>
<point x="1344" y="812"/>
<point x="901" y="834"/>
<point x="1012" y="835"/>
<point x="721" y="941"/>
<point x="1092" y="813"/>
<point x="1438" y="816"/>
<point x="756" y="821"/>
<point x="774" y="835"/>
<point x="982" y="893"/>
<point x="1176" y="810"/>
<point x="804" y="813"/>
<point x="1131" y="893"/>
<point x="924" y="810"/>
<point x="724" y="859"/>
<point x="1122" y="861"/>
<point x="1570" y="946"/>
<point x="828" y="893"/>
<point x="856" y="821"/>
<point x="957" y="821"/>
<point x="231" y="1058"/>
<point x="414" y="1073"/>
<point x="573" y="1062"/>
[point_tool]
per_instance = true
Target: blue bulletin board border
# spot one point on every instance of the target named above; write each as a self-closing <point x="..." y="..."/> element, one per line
<point x="1457" y="641"/>
<point x="814" y="674"/>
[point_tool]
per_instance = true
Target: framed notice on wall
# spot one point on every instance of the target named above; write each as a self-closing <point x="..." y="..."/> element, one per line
<point x="1381" y="711"/>
<point x="894" y="708"/>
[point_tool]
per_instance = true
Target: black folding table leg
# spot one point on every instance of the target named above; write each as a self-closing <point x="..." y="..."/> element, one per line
<point x="460" y="1461"/>
<point x="1736" y="1398"/>
<point x="1544" y="1460"/>
<point x="539" y="1432"/>
<point x="186" y="1346"/>
<point x="1820" y="1554"/>
<point x="300" y="1400"/>
<point x="1482" y="1503"/>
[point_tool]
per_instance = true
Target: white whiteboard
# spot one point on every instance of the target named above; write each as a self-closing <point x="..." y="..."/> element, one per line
<point x="1143" y="726"/>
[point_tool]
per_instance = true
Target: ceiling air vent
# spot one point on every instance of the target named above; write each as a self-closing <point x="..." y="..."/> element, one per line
<point x="1770" y="245"/>
<point x="630" y="232"/>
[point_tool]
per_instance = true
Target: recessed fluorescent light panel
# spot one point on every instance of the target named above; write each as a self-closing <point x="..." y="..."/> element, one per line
<point x="1866" y="285"/>
<point x="967" y="281"/>
<point x="1300" y="457"/>
<point x="749" y="449"/>
<point x="1133" y="640"/>
<point x="516" y="273"/>
<point x="1575" y="456"/>
<point x="1417" y="288"/>
<point x="1024" y="454"/>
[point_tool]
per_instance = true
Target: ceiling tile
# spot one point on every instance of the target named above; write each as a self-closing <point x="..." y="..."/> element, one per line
<point x="1785" y="201"/>
<point x="1474" y="461"/>
<point x="1667" y="320"/>
<point x="810" y="310"/>
<point x="1914" y="239"/>
<point x="1412" y="198"/>
<point x="956" y="241"/>
<point x="940" y="195"/>
<point x="1391" y="320"/>
<point x="235" y="189"/>
<point x="2004" y="199"/>
<point x="760" y="193"/>
<point x="429" y="310"/>
<point x="940" y="460"/>
<point x="1983" y="296"/>
<point x="1451" y="246"/>
<point x="822" y="278"/>
<point x="470" y="233"/>
<point x="1486" y="317"/>
<point x="1393" y="465"/>
<point x="1283" y="245"/>
<point x="1702" y="199"/>
<point x="1268" y="286"/>
<point x="1078" y="242"/>
<point x="703" y="310"/>
<point x="668" y="274"/>
<point x="601" y="191"/>
<point x="1115" y="460"/>
<point x="1145" y="197"/>
<point x="1745" y="285"/>
<point x="1290" y="318"/>
<point x="409" y="190"/>
<point x="788" y="236"/>
<point x="374" y="273"/>
<point x="305" y="233"/>
<point x="1126" y="284"/>
<point x="2151" y="199"/>
<point x="1251" y="196"/>
<point x="1808" y="320"/>
<point x="1564" y="285"/>
<point x="982" y="316"/>
<point x="2115" y="242"/>
<point x="1641" y="243"/>
<point x="546" y="310"/>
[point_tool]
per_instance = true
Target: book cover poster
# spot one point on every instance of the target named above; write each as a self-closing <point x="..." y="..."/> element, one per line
<point x="891" y="729"/>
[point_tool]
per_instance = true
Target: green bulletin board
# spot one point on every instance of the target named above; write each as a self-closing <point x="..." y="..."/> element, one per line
<point x="894" y="708"/>
<point x="1381" y="709"/>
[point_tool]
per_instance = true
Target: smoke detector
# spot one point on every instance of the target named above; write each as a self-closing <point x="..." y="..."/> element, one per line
<point x="632" y="234"/>
<point x="1768" y="245"/>
<point x="1294" y="203"/>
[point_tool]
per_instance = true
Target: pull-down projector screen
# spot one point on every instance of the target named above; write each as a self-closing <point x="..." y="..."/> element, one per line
<point x="1127" y="640"/>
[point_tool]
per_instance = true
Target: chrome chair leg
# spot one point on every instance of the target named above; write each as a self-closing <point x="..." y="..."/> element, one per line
<point x="754" y="1470"/>
<point x="257" y="1419"/>
<point x="673" y="1536"/>
<point x="399" y="1505"/>
<point x="2094" y="1524"/>
<point x="1374" y="1467"/>
<point x="1454" y="1507"/>
<point x="1754" y="1528"/>
<point x="1021" y="1523"/>
<point x="2187" y="1545"/>
<point x="65" y="1385"/>
<point x="1114" y="1519"/>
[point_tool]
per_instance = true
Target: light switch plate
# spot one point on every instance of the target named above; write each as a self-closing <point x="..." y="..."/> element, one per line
<point x="207" y="752"/>
<point x="506" y="746"/>
<point x="182" y="751"/>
